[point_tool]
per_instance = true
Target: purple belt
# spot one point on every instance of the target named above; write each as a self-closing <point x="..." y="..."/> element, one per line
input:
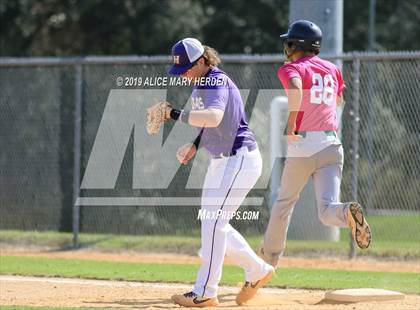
<point x="250" y="148"/>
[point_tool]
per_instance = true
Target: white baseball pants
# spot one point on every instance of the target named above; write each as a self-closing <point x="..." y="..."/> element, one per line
<point x="227" y="182"/>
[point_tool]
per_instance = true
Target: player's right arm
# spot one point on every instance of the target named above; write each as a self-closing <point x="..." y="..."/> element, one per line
<point x="186" y="152"/>
<point x="340" y="101"/>
<point x="341" y="88"/>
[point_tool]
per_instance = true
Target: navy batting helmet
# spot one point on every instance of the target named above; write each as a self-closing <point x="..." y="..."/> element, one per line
<point x="303" y="35"/>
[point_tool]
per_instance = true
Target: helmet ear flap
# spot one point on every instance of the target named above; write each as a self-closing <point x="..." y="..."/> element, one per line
<point x="288" y="48"/>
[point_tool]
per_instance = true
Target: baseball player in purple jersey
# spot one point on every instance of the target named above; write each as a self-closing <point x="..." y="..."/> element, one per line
<point x="218" y="113"/>
<point x="314" y="87"/>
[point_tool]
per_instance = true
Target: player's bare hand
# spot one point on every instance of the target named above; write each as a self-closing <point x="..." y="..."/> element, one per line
<point x="185" y="153"/>
<point x="293" y="138"/>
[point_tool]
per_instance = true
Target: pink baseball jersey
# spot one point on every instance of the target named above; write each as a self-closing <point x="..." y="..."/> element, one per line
<point x="322" y="82"/>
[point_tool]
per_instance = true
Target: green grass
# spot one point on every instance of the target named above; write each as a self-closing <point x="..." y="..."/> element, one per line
<point x="393" y="237"/>
<point x="290" y="277"/>
<point x="387" y="228"/>
<point x="108" y="242"/>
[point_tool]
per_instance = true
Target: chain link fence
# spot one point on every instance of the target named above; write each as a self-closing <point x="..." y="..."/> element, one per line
<point x="51" y="109"/>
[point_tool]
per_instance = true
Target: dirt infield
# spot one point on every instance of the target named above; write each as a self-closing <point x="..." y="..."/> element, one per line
<point x="62" y="292"/>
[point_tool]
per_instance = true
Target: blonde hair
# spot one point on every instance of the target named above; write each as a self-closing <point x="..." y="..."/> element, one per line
<point x="211" y="56"/>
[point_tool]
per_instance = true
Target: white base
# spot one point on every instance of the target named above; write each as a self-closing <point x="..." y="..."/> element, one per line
<point x="363" y="294"/>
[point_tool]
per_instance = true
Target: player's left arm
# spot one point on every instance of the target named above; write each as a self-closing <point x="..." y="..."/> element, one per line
<point x="210" y="116"/>
<point x="294" y="99"/>
<point x="160" y="112"/>
<point x="291" y="79"/>
<point x="207" y="118"/>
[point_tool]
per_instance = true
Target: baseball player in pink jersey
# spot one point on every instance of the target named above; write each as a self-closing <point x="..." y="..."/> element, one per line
<point x="218" y="114"/>
<point x="314" y="88"/>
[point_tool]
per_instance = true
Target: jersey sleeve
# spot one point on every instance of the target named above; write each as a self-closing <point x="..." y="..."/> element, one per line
<point x="341" y="84"/>
<point x="286" y="73"/>
<point x="216" y="97"/>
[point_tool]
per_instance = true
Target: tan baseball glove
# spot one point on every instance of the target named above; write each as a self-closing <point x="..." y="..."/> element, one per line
<point x="156" y="116"/>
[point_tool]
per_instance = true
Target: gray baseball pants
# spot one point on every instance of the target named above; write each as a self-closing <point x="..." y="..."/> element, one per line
<point x="325" y="168"/>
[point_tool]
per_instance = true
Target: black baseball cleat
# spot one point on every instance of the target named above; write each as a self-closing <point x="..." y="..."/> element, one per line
<point x="360" y="229"/>
<point x="191" y="299"/>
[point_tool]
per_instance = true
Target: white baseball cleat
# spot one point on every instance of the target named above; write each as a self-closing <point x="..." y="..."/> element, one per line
<point x="191" y="299"/>
<point x="249" y="289"/>
<point x="360" y="229"/>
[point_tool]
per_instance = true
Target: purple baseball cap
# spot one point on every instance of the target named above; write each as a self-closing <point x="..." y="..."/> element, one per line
<point x="184" y="54"/>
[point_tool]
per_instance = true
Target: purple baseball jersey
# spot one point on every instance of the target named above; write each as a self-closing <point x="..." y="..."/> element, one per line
<point x="217" y="90"/>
